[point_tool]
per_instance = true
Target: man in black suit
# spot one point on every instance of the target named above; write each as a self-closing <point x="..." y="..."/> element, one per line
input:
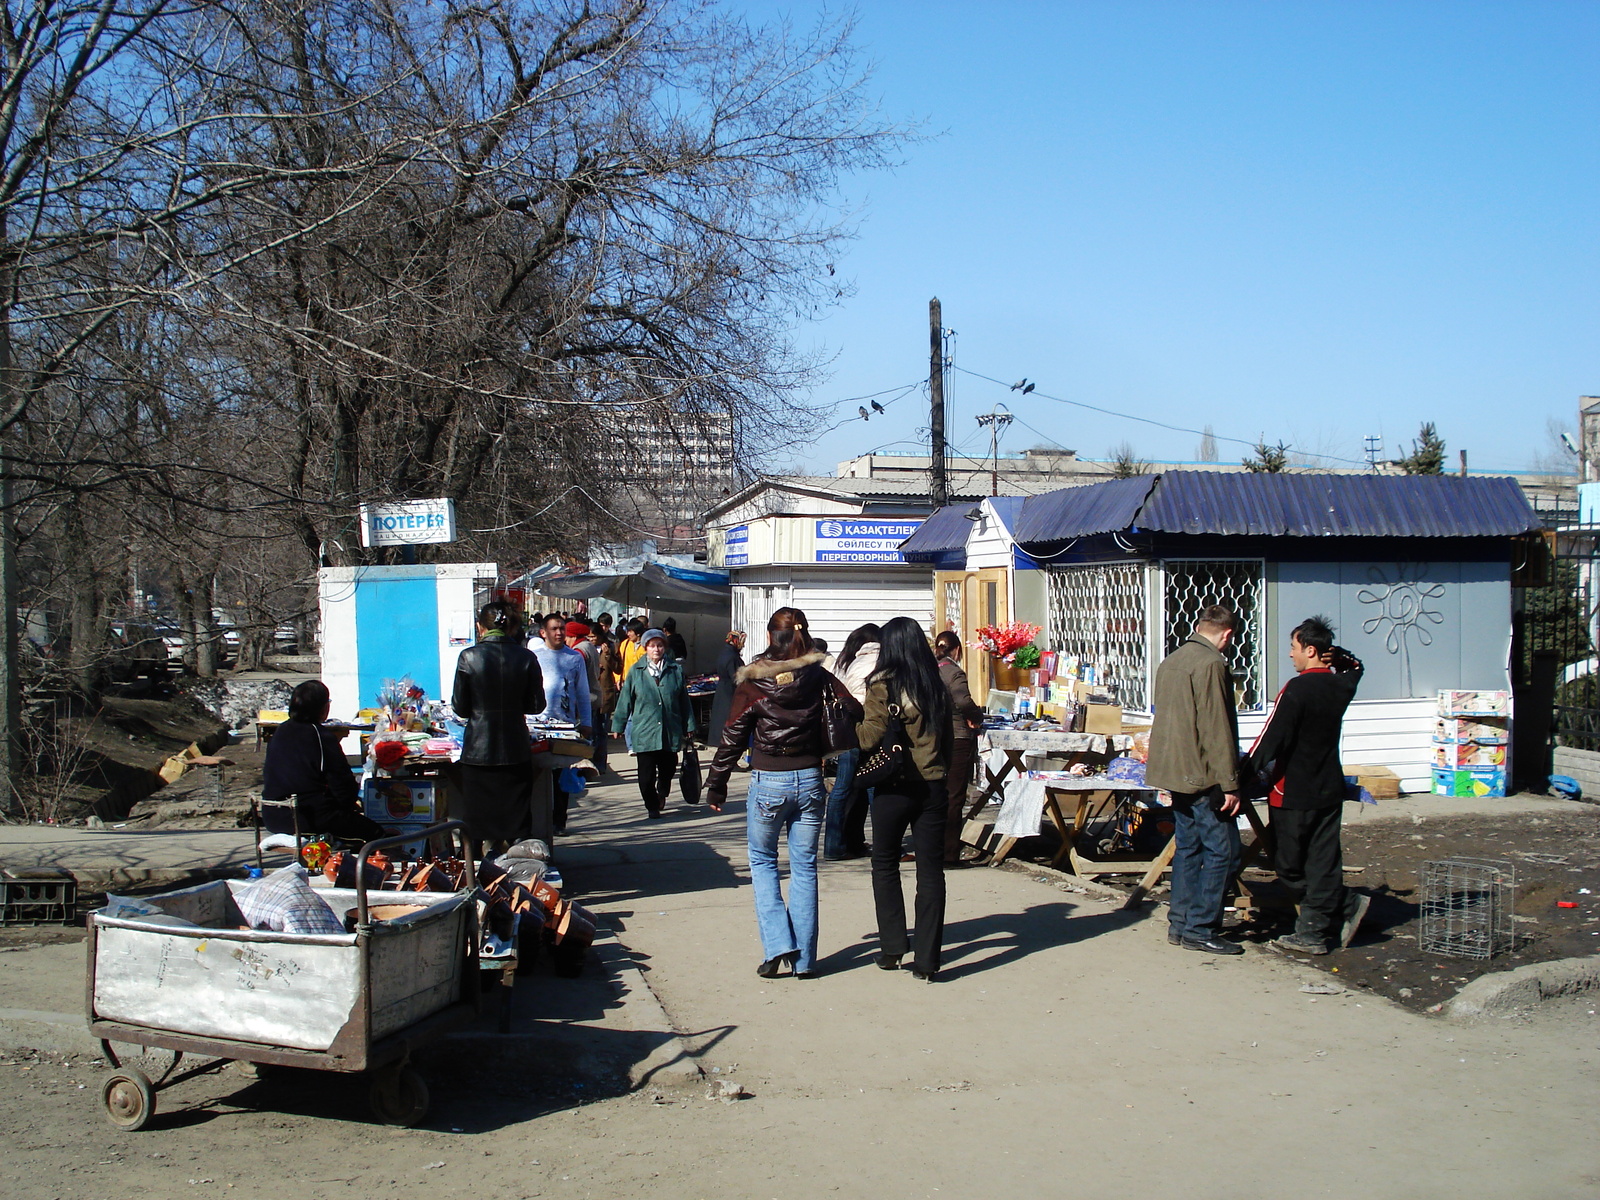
<point x="1298" y="752"/>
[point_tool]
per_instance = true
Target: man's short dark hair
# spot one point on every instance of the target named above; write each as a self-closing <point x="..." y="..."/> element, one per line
<point x="548" y="617"/>
<point x="670" y="625"/>
<point x="1314" y="633"/>
<point x="1216" y="618"/>
<point x="638" y="625"/>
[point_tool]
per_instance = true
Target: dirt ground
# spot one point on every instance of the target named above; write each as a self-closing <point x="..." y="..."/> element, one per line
<point x="1556" y="859"/>
<point x="1067" y="1049"/>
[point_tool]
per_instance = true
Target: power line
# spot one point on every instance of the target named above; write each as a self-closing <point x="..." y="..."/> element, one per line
<point x="1108" y="412"/>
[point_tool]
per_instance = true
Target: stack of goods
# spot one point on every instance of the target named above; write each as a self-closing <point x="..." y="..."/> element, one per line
<point x="523" y="879"/>
<point x="557" y="737"/>
<point x="1470" y="739"/>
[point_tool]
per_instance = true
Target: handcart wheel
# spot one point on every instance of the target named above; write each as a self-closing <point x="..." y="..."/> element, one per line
<point x="399" y="1096"/>
<point x="130" y="1099"/>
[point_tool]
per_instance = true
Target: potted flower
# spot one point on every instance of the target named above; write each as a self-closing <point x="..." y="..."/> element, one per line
<point x="1005" y="645"/>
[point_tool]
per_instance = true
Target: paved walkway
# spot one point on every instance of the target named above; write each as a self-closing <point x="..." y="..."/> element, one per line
<point x="1070" y="1048"/>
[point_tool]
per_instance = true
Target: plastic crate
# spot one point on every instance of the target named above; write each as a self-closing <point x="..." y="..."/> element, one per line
<point x="47" y="896"/>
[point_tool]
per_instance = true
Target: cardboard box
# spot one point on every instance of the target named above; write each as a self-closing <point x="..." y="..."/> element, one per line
<point x="1469" y="754"/>
<point x="1469" y="781"/>
<point x="388" y="801"/>
<point x="1381" y="782"/>
<point x="1102" y="718"/>
<point x="1462" y="703"/>
<point x="1466" y="729"/>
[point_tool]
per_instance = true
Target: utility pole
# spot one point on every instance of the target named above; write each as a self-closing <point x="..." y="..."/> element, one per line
<point x="996" y="419"/>
<point x="938" y="483"/>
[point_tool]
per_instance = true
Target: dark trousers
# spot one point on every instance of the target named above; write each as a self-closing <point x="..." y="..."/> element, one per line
<point x="1205" y="857"/>
<point x="656" y="768"/>
<point x="602" y="743"/>
<point x="964" y="749"/>
<point x="921" y="805"/>
<point x="1310" y="864"/>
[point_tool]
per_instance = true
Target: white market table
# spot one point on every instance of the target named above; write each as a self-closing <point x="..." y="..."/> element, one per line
<point x="1018" y="742"/>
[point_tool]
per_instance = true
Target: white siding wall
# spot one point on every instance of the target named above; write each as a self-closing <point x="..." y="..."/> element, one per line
<point x="1397" y="734"/>
<point x="757" y="591"/>
<point x="838" y="600"/>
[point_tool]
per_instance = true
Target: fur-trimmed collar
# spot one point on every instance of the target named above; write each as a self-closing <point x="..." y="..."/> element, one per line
<point x="768" y="668"/>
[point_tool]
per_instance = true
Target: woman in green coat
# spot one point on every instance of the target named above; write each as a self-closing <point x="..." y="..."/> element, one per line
<point x="655" y="697"/>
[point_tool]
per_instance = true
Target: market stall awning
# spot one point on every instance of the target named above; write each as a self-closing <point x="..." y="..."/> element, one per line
<point x="941" y="540"/>
<point x="648" y="585"/>
<point x="1280" y="505"/>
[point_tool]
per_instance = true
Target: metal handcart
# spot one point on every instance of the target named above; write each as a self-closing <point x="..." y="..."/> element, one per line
<point x="359" y="1001"/>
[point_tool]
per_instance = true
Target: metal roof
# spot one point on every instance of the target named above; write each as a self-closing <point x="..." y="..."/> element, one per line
<point x="1082" y="511"/>
<point x="944" y="532"/>
<point x="1282" y="505"/>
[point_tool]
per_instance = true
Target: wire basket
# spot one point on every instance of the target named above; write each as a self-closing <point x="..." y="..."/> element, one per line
<point x="1467" y="907"/>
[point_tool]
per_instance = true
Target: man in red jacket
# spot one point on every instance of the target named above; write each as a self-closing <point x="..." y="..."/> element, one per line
<point x="1298" y="752"/>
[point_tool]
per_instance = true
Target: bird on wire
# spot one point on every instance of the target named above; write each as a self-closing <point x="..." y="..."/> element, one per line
<point x="876" y="407"/>
<point x="1027" y="389"/>
<point x="865" y="415"/>
<point x="1020" y="384"/>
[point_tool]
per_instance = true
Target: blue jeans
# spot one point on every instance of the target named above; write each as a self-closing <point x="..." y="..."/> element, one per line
<point x="1205" y="857"/>
<point x="792" y="801"/>
<point x="844" y="786"/>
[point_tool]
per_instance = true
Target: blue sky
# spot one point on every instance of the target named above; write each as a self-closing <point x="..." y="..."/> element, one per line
<point x="1311" y="222"/>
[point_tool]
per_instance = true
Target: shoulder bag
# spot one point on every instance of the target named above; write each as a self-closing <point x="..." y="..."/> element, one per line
<point x="884" y="761"/>
<point x="838" y="726"/>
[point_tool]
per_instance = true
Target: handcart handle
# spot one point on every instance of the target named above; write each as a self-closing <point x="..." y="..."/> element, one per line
<point x="469" y="876"/>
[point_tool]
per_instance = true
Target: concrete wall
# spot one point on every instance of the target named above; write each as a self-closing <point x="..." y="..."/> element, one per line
<point x="1582" y="765"/>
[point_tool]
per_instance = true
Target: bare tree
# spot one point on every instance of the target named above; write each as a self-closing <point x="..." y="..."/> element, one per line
<point x="1125" y="464"/>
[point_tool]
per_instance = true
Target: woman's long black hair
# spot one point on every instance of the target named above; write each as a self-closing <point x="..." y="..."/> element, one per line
<point x="859" y="637"/>
<point x="908" y="666"/>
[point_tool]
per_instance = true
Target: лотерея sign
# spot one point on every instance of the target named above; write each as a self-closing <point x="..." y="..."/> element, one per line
<point x="408" y="523"/>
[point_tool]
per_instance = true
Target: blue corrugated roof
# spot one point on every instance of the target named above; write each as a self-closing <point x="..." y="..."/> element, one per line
<point x="1262" y="505"/>
<point x="1008" y="509"/>
<point x="944" y="531"/>
<point x="1083" y="511"/>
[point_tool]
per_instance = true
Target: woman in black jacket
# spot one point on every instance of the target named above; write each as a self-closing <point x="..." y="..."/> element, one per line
<point x="497" y="683"/>
<point x="306" y="767"/>
<point x="778" y="712"/>
<point x="727" y="667"/>
<point x="906" y="684"/>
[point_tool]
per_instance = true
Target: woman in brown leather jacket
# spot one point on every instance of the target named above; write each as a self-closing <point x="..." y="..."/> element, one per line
<point x="777" y="711"/>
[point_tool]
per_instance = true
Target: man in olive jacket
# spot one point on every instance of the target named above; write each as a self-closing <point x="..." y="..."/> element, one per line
<point x="1194" y="755"/>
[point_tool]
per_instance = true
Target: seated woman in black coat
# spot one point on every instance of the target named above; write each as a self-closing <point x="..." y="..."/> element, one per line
<point x="306" y="765"/>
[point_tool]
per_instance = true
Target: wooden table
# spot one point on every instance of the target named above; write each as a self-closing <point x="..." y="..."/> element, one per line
<point x="1091" y="795"/>
<point x="1018" y="742"/>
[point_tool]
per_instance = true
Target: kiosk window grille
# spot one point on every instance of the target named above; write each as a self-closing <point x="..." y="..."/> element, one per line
<point x="1099" y="613"/>
<point x="952" y="605"/>
<point x="1192" y="585"/>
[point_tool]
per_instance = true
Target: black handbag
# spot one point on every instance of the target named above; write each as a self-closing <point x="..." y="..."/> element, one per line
<point x="838" y="726"/>
<point x="689" y="776"/>
<point x="885" y="760"/>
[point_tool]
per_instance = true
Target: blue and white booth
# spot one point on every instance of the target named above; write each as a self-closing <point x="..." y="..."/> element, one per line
<point x="381" y="623"/>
